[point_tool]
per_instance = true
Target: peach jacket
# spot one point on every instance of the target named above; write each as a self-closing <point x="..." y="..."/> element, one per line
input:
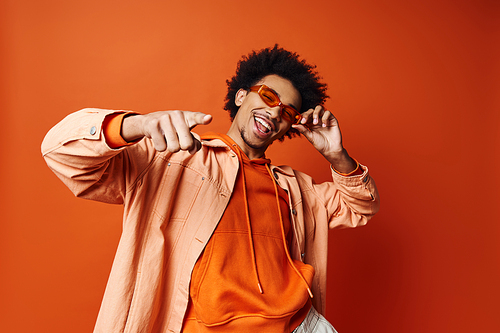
<point x="172" y="204"/>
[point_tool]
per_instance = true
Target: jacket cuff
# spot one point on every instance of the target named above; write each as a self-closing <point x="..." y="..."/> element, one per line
<point x="360" y="177"/>
<point x="111" y="129"/>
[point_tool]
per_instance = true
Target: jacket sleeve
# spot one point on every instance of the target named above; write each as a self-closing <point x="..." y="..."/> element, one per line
<point x="349" y="201"/>
<point x="76" y="151"/>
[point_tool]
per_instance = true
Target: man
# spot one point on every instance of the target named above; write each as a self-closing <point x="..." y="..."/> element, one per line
<point x="215" y="238"/>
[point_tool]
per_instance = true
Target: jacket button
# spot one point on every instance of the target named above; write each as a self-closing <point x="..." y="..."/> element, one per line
<point x="93" y="130"/>
<point x="365" y="179"/>
<point x="294" y="212"/>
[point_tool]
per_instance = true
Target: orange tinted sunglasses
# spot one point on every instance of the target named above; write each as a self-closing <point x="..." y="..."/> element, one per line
<point x="271" y="99"/>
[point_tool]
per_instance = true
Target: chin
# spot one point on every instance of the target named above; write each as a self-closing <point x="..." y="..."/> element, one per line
<point x="260" y="145"/>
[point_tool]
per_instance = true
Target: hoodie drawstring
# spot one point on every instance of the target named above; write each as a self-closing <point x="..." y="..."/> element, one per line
<point x="290" y="261"/>
<point x="247" y="214"/>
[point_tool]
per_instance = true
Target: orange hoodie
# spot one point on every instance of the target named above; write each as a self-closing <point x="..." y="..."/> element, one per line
<point x="245" y="280"/>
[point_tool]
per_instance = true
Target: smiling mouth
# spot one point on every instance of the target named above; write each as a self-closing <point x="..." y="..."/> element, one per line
<point x="262" y="125"/>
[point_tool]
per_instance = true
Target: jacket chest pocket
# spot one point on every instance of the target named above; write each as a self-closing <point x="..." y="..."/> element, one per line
<point x="177" y="193"/>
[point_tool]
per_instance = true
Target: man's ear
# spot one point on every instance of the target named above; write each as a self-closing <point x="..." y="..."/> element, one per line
<point x="240" y="97"/>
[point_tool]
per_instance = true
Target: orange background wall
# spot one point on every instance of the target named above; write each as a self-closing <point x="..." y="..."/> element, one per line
<point x="414" y="84"/>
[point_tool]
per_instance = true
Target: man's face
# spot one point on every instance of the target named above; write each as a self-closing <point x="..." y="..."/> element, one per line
<point x="257" y="125"/>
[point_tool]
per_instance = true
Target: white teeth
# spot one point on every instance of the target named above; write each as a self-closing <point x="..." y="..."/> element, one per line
<point x="263" y="123"/>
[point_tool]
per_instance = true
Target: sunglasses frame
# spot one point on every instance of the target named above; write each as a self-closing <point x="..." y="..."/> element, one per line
<point x="287" y="112"/>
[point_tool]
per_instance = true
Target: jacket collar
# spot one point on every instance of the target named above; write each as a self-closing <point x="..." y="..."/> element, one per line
<point x="284" y="169"/>
<point x="208" y="140"/>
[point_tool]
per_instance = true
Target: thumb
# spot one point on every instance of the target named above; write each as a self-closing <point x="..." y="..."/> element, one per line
<point x="303" y="129"/>
<point x="198" y="118"/>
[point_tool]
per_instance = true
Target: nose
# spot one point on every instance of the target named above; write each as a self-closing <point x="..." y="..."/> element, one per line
<point x="275" y="112"/>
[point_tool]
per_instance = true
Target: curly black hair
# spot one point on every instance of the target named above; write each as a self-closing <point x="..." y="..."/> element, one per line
<point x="258" y="64"/>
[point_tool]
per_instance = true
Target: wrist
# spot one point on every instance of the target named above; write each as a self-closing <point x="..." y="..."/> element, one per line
<point x="342" y="163"/>
<point x="356" y="172"/>
<point x="131" y="127"/>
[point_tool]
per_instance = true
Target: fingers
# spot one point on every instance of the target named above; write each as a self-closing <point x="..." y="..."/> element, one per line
<point x="313" y="118"/>
<point x="170" y="130"/>
<point x="321" y="128"/>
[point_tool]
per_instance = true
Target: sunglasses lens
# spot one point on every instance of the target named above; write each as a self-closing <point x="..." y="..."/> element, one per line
<point x="287" y="114"/>
<point x="269" y="97"/>
<point x="291" y="115"/>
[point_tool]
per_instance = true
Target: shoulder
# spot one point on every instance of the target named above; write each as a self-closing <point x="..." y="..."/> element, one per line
<point x="289" y="173"/>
